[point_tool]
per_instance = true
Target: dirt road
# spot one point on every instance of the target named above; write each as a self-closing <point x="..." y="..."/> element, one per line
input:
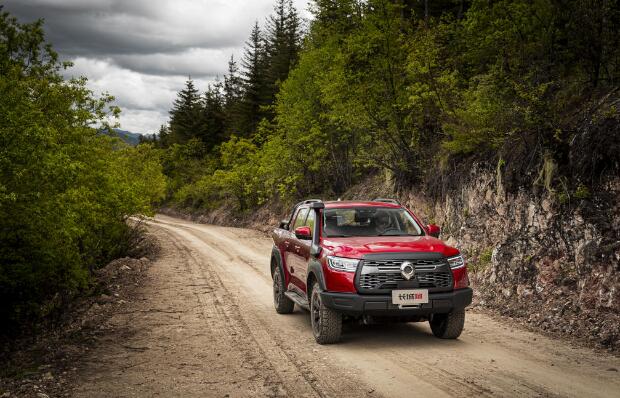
<point x="204" y="325"/>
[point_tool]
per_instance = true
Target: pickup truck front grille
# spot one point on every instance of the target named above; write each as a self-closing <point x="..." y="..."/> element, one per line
<point x="394" y="265"/>
<point x="381" y="275"/>
<point x="390" y="280"/>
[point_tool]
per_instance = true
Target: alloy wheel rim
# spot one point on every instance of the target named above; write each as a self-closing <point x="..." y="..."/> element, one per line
<point x="316" y="313"/>
<point x="276" y="287"/>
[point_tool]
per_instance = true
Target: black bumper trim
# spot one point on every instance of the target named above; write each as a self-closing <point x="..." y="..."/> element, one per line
<point x="361" y="304"/>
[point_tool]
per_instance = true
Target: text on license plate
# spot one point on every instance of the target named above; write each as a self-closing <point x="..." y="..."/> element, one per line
<point x="409" y="297"/>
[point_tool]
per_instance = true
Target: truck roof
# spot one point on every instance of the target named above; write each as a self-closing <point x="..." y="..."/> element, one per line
<point x="353" y="203"/>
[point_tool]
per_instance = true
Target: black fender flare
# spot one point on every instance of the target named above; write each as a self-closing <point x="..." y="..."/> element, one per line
<point x="316" y="269"/>
<point x="277" y="256"/>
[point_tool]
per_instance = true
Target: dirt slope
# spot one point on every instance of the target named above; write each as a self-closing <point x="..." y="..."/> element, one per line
<point x="205" y="326"/>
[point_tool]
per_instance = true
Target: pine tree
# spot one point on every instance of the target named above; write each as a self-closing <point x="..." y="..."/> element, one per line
<point x="163" y="136"/>
<point x="282" y="43"/>
<point x="213" y="116"/>
<point x="256" y="92"/>
<point x="185" y="116"/>
<point x="233" y="96"/>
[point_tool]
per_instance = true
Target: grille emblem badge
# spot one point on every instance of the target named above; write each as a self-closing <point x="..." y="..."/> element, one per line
<point x="407" y="270"/>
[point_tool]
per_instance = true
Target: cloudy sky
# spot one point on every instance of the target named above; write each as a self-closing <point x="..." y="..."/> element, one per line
<point x="142" y="51"/>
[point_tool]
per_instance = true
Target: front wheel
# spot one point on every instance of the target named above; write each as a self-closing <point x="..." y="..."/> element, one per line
<point x="326" y="323"/>
<point x="448" y="326"/>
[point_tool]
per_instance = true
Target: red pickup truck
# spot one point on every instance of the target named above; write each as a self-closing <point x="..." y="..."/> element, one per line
<point x="369" y="261"/>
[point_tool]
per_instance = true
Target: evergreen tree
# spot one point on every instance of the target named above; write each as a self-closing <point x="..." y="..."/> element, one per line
<point x="185" y="116"/>
<point x="163" y="136"/>
<point x="233" y="96"/>
<point x="256" y="93"/>
<point x="282" y="43"/>
<point x="213" y="116"/>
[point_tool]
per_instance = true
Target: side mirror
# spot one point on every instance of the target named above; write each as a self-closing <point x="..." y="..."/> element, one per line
<point x="283" y="224"/>
<point x="303" y="233"/>
<point x="433" y="230"/>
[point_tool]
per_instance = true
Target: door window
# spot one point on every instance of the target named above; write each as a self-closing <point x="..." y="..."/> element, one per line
<point x="301" y="218"/>
<point x="310" y="221"/>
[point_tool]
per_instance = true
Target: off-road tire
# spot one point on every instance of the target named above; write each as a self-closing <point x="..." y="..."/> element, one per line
<point x="326" y="323"/>
<point x="283" y="304"/>
<point x="448" y="326"/>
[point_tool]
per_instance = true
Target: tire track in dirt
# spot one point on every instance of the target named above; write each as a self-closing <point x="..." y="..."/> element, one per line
<point x="203" y="324"/>
<point x="220" y="315"/>
<point x="490" y="358"/>
<point x="272" y="346"/>
<point x="436" y="378"/>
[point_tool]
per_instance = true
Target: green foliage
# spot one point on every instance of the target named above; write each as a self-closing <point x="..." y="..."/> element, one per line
<point x="66" y="190"/>
<point x="482" y="261"/>
<point x="393" y="87"/>
<point x="582" y="192"/>
<point x="247" y="176"/>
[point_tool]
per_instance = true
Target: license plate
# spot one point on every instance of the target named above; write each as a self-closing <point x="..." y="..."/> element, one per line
<point x="410" y="297"/>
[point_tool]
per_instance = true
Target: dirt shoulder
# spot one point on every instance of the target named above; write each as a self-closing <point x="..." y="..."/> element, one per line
<point x="45" y="363"/>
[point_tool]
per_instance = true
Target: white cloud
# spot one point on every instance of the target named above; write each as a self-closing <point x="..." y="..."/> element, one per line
<point x="144" y="99"/>
<point x="142" y="121"/>
<point x="142" y="51"/>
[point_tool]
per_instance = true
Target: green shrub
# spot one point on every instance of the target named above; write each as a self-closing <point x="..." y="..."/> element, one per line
<point x="66" y="190"/>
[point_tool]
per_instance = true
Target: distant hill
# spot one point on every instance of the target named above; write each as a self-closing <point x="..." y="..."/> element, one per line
<point x="127" y="136"/>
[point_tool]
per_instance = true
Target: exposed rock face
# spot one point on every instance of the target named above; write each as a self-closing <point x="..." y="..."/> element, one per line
<point x="554" y="265"/>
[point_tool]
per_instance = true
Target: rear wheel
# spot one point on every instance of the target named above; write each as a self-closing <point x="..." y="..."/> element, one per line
<point x="326" y="323"/>
<point x="448" y="326"/>
<point x="283" y="304"/>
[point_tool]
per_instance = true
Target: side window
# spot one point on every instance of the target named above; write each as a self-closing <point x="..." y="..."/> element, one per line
<point x="301" y="218"/>
<point x="310" y="220"/>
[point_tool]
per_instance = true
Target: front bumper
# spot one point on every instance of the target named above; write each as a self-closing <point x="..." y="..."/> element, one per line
<point x="381" y="305"/>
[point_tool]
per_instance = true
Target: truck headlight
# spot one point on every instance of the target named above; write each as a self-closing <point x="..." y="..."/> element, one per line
<point x="456" y="262"/>
<point x="342" y="264"/>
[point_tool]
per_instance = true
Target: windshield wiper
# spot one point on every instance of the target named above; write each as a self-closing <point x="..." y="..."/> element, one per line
<point x="339" y="236"/>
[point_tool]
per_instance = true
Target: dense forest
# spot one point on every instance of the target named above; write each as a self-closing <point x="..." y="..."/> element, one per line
<point x="415" y="90"/>
<point x="66" y="187"/>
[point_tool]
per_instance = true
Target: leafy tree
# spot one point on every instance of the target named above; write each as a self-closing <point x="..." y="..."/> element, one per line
<point x="66" y="190"/>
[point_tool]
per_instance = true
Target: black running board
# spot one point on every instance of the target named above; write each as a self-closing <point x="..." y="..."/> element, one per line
<point x="298" y="299"/>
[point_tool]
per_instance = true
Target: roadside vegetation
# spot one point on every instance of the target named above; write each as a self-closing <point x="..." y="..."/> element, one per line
<point x="66" y="188"/>
<point x="415" y="90"/>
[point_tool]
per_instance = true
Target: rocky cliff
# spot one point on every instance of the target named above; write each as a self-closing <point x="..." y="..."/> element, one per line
<point x="551" y="260"/>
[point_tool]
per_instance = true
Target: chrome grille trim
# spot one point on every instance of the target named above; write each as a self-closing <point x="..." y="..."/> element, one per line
<point x="390" y="280"/>
<point x="377" y="266"/>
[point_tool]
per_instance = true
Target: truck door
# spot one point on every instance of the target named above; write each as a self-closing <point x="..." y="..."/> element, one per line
<point x="301" y="252"/>
<point x="291" y="254"/>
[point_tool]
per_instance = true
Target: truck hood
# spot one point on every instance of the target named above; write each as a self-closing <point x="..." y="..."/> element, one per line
<point x="356" y="247"/>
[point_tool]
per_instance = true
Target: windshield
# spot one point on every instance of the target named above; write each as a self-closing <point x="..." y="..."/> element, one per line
<point x="369" y="221"/>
